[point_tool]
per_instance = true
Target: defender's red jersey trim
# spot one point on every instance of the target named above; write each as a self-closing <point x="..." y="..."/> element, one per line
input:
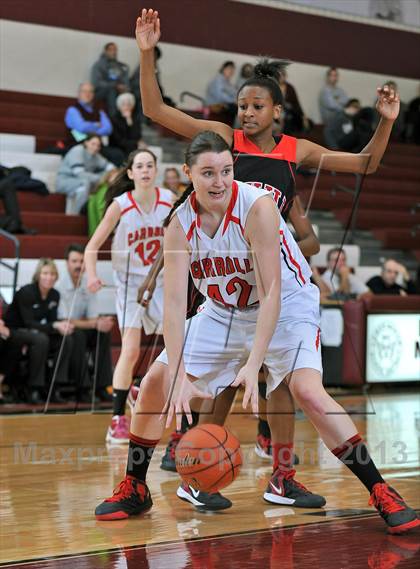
<point x="284" y="150"/>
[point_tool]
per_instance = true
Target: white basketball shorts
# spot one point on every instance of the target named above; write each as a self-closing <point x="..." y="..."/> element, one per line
<point x="130" y="313"/>
<point x="218" y="342"/>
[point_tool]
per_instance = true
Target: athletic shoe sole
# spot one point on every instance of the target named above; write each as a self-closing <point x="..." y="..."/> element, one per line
<point x="404" y="528"/>
<point x="282" y="500"/>
<point x="186" y="497"/>
<point x="121" y="515"/>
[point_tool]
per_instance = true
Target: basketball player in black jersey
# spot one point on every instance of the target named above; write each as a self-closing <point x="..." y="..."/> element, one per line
<point x="268" y="162"/>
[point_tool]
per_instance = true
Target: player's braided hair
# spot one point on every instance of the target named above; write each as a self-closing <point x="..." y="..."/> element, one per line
<point x="206" y="141"/>
<point x="122" y="182"/>
<point x="267" y="74"/>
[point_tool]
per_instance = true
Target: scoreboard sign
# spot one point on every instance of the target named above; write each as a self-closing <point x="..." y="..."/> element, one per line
<point x="393" y="347"/>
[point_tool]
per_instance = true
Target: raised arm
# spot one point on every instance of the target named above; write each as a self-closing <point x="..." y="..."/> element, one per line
<point x="262" y="231"/>
<point x="103" y="231"/>
<point x="366" y="161"/>
<point x="147" y="36"/>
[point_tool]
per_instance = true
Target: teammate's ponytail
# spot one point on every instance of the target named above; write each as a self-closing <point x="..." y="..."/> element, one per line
<point x="206" y="141"/>
<point x="267" y="74"/>
<point x="122" y="182"/>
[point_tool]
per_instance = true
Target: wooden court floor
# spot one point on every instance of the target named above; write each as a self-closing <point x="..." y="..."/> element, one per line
<point x="56" y="468"/>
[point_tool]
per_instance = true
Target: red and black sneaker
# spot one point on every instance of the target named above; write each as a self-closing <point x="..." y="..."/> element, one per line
<point x="399" y="517"/>
<point x="283" y="489"/>
<point x="130" y="498"/>
<point x="168" y="459"/>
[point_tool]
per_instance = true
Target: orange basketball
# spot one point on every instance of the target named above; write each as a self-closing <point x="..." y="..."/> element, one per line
<point x="208" y="457"/>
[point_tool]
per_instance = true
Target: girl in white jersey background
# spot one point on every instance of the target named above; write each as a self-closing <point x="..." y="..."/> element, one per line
<point x="227" y="238"/>
<point x="136" y="209"/>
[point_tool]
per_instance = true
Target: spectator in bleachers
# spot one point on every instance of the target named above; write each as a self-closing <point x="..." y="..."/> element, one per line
<point x="96" y="201"/>
<point x="342" y="283"/>
<point x="135" y="83"/>
<point x="386" y="282"/>
<point x="91" y="330"/>
<point x="33" y="320"/>
<point x="82" y="167"/>
<point x="126" y="125"/>
<point x="413" y="120"/>
<point x="84" y="118"/>
<point x="10" y="353"/>
<point x="294" y="120"/>
<point x="172" y="181"/>
<point x="331" y="98"/>
<point x="245" y="73"/>
<point x="350" y="129"/>
<point x="221" y="93"/>
<point x="110" y="77"/>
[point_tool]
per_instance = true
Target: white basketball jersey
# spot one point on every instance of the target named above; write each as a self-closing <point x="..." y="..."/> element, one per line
<point x="139" y="235"/>
<point x="222" y="266"/>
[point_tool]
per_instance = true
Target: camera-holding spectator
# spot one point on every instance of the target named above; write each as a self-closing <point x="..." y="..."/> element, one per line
<point x="172" y="181"/>
<point x="82" y="167"/>
<point x="295" y="121"/>
<point x="91" y="331"/>
<point x="110" y="77"/>
<point x="331" y="98"/>
<point x="32" y="319"/>
<point x="342" y="283"/>
<point x="386" y="282"/>
<point x="221" y="93"/>
<point x="126" y="125"/>
<point x="245" y="73"/>
<point x="350" y="129"/>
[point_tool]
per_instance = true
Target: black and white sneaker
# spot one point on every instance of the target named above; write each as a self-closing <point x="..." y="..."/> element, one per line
<point x="283" y="489"/>
<point x="203" y="501"/>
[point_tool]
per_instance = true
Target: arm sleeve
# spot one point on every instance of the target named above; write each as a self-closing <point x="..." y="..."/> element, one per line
<point x="25" y="300"/>
<point x="106" y="127"/>
<point x="74" y="120"/>
<point x="410" y="287"/>
<point x="328" y="101"/>
<point x="97" y="77"/>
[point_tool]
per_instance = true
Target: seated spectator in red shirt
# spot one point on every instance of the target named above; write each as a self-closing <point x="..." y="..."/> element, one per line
<point x="126" y="125"/>
<point x="386" y="283"/>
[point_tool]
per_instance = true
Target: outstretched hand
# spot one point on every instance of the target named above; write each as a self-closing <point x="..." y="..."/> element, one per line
<point x="179" y="401"/>
<point x="147" y="29"/>
<point x="249" y="378"/>
<point x="388" y="104"/>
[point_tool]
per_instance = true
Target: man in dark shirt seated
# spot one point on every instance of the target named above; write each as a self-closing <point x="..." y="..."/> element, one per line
<point x="386" y="283"/>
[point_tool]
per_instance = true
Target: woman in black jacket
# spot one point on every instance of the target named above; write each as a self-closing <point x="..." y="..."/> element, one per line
<point x="126" y="125"/>
<point x="32" y="317"/>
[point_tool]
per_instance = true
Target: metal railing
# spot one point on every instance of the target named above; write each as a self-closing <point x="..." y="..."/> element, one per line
<point x="12" y="267"/>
